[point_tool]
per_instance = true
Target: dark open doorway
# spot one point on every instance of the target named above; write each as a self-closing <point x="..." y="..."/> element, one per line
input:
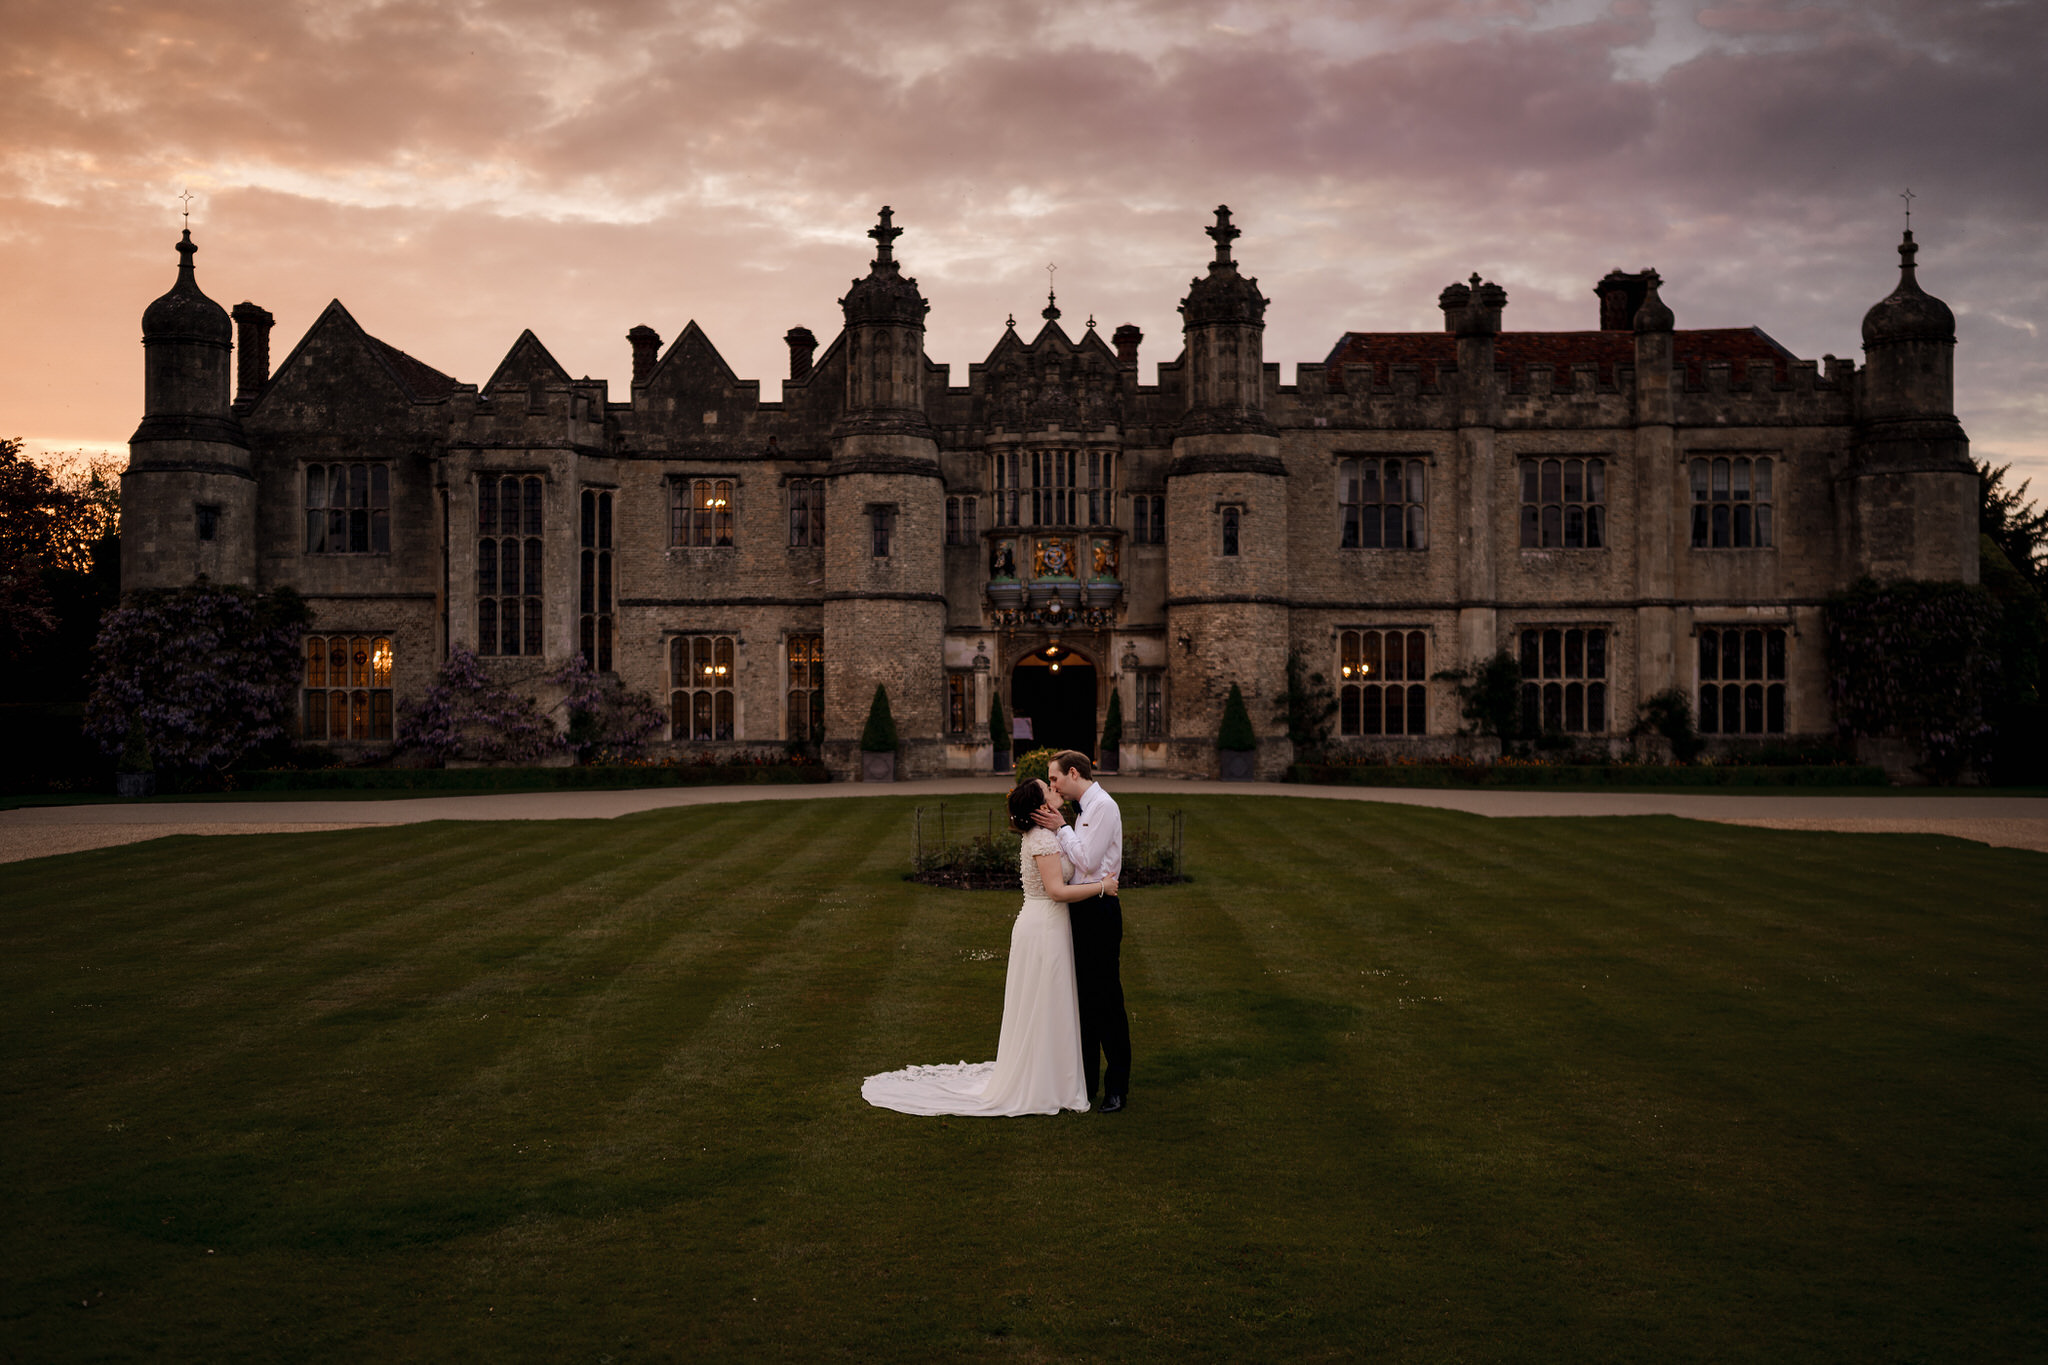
<point x="1055" y="687"/>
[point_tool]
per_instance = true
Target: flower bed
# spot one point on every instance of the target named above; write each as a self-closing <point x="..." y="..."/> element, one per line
<point x="1523" y="773"/>
<point x="594" y="777"/>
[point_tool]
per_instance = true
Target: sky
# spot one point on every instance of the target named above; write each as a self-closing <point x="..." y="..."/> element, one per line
<point x="457" y="170"/>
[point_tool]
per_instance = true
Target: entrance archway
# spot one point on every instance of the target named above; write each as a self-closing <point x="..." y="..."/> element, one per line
<point x="1055" y="688"/>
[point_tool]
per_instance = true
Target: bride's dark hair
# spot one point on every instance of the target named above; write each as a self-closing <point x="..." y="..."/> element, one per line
<point x="1025" y="799"/>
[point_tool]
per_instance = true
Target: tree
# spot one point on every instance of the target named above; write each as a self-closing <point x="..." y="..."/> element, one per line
<point x="1235" y="735"/>
<point x="1669" y="713"/>
<point x="1489" y="696"/>
<point x="2018" y="527"/>
<point x="607" y="720"/>
<point x="1305" y="707"/>
<point x="33" y="512"/>
<point x="1113" y="723"/>
<point x="1915" y="659"/>
<point x="878" y="736"/>
<point x="197" y="678"/>
<point x="464" y="714"/>
<point x="59" y="569"/>
<point x="998" y="723"/>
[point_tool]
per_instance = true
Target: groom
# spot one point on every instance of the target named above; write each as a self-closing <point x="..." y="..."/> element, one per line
<point x="1096" y="849"/>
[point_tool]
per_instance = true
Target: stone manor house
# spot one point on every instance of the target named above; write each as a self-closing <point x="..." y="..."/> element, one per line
<point x="1627" y="508"/>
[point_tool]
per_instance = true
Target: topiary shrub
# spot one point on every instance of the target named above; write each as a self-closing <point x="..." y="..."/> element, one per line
<point x="1235" y="735"/>
<point x="998" y="725"/>
<point x="878" y="736"/>
<point x="1113" y="722"/>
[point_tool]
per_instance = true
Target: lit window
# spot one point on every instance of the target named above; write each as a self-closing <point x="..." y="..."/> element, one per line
<point x="348" y="509"/>
<point x="1731" y="504"/>
<point x="1564" y="504"/>
<point x="1380" y="504"/>
<point x="347" y="692"/>
<point x="509" y="564"/>
<point x="1564" y="680"/>
<point x="959" y="703"/>
<point x="1742" y="681"/>
<point x="701" y="676"/>
<point x="806" y="688"/>
<point x="1382" y="682"/>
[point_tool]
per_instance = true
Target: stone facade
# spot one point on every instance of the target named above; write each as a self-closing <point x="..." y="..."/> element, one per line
<point x="1628" y="508"/>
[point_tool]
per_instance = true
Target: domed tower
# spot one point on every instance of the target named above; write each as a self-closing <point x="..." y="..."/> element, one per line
<point x="885" y="602"/>
<point x="1226" y="521"/>
<point x="188" y="498"/>
<point x="1911" y="492"/>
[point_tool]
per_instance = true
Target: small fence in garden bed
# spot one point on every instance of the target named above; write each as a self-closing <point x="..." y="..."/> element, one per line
<point x="1586" y="775"/>
<point x="952" y="848"/>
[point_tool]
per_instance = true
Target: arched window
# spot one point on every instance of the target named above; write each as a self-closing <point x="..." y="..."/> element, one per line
<point x="1382" y="677"/>
<point x="347" y="693"/>
<point x="509" y="564"/>
<point x="701" y="676"/>
<point x="1733" y="503"/>
<point x="1564" y="679"/>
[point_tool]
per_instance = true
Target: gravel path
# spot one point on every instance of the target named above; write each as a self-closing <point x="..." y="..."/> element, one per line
<point x="42" y="831"/>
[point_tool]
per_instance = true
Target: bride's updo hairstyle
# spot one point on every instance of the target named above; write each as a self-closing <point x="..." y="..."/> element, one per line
<point x="1025" y="799"/>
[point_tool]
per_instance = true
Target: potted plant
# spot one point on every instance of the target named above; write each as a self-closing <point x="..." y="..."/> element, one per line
<point x="1112" y="732"/>
<point x="1236" y="744"/>
<point x="998" y="732"/>
<point x="135" y="774"/>
<point x="878" y="740"/>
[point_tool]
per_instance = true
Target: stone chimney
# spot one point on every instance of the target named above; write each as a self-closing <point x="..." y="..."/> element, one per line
<point x="1473" y="309"/>
<point x="1621" y="297"/>
<point x="646" y="344"/>
<point x="252" y="363"/>
<point x="1454" y="300"/>
<point x="1127" y="339"/>
<point x="802" y="346"/>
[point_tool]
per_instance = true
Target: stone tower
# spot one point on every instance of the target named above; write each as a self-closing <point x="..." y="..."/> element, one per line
<point x="1910" y="482"/>
<point x="188" y="498"/>
<point x="1226" y="522"/>
<point x="885" y="603"/>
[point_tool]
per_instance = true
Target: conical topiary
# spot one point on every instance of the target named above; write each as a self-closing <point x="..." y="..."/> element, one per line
<point x="878" y="736"/>
<point x="998" y="723"/>
<point x="1235" y="735"/>
<point x="1113" y="723"/>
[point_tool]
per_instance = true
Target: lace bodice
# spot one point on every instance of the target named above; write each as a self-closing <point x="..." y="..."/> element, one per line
<point x="1036" y="842"/>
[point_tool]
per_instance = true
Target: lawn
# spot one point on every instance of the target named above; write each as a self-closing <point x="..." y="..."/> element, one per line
<point x="1410" y="1085"/>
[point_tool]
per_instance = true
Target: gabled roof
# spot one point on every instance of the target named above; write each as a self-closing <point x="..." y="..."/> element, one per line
<point x="692" y="351"/>
<point x="526" y="362"/>
<point x="416" y="379"/>
<point x="1692" y="351"/>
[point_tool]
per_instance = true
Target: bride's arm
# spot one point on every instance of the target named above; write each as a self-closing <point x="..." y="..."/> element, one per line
<point x="1056" y="883"/>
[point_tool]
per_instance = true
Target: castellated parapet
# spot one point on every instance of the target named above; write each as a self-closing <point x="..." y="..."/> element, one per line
<point x="1627" y="508"/>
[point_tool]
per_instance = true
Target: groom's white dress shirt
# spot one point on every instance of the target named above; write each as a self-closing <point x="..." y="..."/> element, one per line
<point x="1094" y="844"/>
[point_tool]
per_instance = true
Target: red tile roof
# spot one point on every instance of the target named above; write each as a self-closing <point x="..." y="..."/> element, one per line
<point x="1428" y="351"/>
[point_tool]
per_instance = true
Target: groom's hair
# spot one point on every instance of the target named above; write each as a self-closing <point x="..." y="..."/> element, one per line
<point x="1075" y="763"/>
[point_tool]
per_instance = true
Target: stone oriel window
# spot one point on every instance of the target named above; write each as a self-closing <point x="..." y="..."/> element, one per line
<point x="1732" y="503"/>
<point x="508" y="564"/>
<point x="806" y="688"/>
<point x="1098" y="475"/>
<point x="700" y="513"/>
<point x="348" y="509"/>
<point x="959" y="703"/>
<point x="595" y="584"/>
<point x="1382" y="680"/>
<point x="701" y="675"/>
<point x="1233" y="528"/>
<point x="1380" y="504"/>
<point x="1564" y="504"/>
<point x="806" y="513"/>
<point x="1151" y="704"/>
<point x="1054" y="480"/>
<point x="881" y="530"/>
<point x="347" y="688"/>
<point x="1742" y="681"/>
<point x="961" y="514"/>
<point x="1564" y="680"/>
<point x="1007" y="481"/>
<point x="1148" y="519"/>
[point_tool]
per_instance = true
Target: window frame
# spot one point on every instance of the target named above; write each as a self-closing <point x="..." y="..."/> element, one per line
<point x="806" y="502"/>
<point x="332" y="528"/>
<point x="1732" y="499"/>
<point x="1563" y="501"/>
<point x="526" y="561"/>
<point x="1571" y="679"/>
<point x="1409" y="513"/>
<point x="716" y="703"/>
<point x="803" y="654"/>
<point x="365" y="690"/>
<point x="1763" y="690"/>
<point x="1362" y="699"/>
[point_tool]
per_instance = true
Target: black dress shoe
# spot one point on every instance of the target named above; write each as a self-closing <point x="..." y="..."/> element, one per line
<point x="1111" y="1104"/>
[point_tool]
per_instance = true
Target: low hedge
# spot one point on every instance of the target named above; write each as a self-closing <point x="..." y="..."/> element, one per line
<point x="1584" y="775"/>
<point x="594" y="777"/>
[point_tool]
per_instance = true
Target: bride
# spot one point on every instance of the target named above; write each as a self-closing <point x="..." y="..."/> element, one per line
<point x="1037" y="1069"/>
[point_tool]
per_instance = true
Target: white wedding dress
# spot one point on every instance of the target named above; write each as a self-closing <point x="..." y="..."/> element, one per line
<point x="1037" y="1069"/>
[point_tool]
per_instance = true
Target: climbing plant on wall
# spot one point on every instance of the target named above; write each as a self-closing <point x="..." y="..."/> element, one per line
<point x="1913" y="659"/>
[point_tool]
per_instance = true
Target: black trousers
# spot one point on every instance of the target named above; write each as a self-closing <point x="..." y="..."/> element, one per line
<point x="1098" y="924"/>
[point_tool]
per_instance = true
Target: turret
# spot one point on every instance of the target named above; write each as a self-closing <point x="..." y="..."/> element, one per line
<point x="187" y="498"/>
<point x="885" y="507"/>
<point x="1223" y="320"/>
<point x="1911" y="508"/>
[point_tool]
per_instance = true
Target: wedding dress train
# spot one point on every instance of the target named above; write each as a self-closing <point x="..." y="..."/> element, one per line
<point x="1037" y="1069"/>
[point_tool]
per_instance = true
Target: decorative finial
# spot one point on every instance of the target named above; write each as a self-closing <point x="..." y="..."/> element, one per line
<point x="1223" y="234"/>
<point x="1051" y="311"/>
<point x="1011" y="322"/>
<point x="885" y="235"/>
<point x="1091" y="322"/>
<point x="1909" y="197"/>
<point x="186" y="198"/>
<point x="1474" y="280"/>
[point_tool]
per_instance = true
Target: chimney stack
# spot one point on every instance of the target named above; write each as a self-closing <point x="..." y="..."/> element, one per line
<point x="802" y="346"/>
<point x="646" y="344"/>
<point x="252" y="369"/>
<point x="1621" y="297"/>
<point x="1127" y="339"/>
